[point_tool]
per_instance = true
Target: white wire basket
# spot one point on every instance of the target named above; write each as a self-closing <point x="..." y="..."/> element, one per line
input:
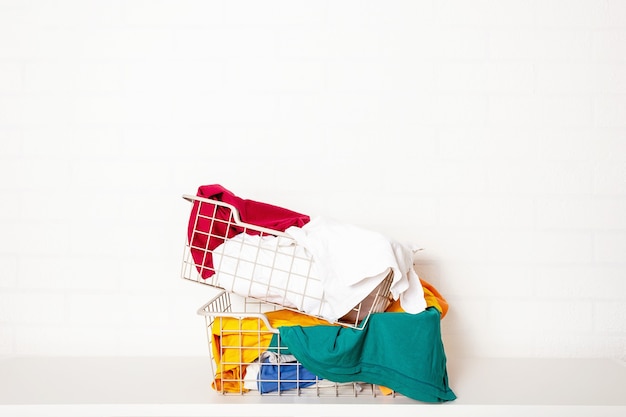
<point x="263" y="264"/>
<point x="243" y="364"/>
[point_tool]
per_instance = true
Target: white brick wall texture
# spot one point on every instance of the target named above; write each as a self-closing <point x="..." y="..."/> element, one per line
<point x="492" y="133"/>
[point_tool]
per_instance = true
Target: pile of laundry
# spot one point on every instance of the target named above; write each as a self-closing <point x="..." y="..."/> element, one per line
<point x="318" y="269"/>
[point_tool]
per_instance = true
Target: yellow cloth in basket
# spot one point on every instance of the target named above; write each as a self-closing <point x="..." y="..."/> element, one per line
<point x="238" y="342"/>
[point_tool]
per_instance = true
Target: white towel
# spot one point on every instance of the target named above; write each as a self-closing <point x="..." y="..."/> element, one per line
<point x="352" y="261"/>
<point x="271" y="269"/>
<point x="348" y="263"/>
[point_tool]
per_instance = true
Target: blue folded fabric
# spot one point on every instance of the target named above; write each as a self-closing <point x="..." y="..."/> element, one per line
<point x="284" y="376"/>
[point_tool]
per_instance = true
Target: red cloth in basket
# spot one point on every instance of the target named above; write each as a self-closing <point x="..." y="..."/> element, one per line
<point x="215" y="223"/>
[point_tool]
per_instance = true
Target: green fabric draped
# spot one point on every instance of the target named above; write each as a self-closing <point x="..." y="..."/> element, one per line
<point x="400" y="351"/>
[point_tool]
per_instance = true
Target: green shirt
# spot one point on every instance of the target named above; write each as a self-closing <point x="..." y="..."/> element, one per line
<point x="400" y="351"/>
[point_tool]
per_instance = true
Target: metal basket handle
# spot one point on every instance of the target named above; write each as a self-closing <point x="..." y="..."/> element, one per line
<point x="203" y="311"/>
<point x="235" y="214"/>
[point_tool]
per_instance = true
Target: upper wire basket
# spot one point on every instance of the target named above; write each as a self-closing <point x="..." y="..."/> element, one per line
<point x="257" y="262"/>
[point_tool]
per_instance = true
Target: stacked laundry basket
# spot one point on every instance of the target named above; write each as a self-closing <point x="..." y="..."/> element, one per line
<point x="267" y="284"/>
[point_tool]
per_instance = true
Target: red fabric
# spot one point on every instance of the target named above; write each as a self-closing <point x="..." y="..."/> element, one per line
<point x="250" y="211"/>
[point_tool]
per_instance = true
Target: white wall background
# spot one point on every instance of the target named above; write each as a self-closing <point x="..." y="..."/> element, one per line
<point x="491" y="132"/>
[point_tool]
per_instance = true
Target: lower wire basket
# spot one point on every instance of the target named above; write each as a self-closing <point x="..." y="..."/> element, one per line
<point x="247" y="356"/>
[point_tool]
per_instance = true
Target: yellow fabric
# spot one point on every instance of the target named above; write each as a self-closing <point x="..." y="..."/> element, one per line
<point x="281" y="318"/>
<point x="237" y="342"/>
<point x="431" y="295"/>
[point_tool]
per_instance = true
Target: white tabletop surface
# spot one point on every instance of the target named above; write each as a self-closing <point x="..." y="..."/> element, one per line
<point x="180" y="386"/>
